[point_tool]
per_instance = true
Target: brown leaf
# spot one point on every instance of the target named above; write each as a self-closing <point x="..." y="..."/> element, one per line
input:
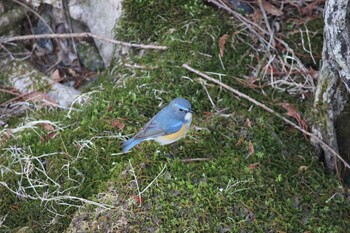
<point x="118" y="123"/>
<point x="250" y="149"/>
<point x="292" y="112"/>
<point x="240" y="141"/>
<point x="256" y="17"/>
<point x="222" y="42"/>
<point x="269" y="8"/>
<point x="48" y="127"/>
<point x="52" y="135"/>
<point x="253" y="165"/>
<point x="138" y="199"/>
<point x="56" y="77"/>
<point x="248" y="123"/>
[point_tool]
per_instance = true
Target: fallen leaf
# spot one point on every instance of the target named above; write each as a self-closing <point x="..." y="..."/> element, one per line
<point x="269" y="8"/>
<point x="118" y="123"/>
<point x="138" y="199"/>
<point x="248" y="122"/>
<point x="222" y="42"/>
<point x="256" y="17"/>
<point x="292" y="112"/>
<point x="253" y="165"/>
<point x="240" y="141"/>
<point x="56" y="77"/>
<point x="52" y="135"/>
<point x="48" y="127"/>
<point x="250" y="149"/>
<point x="310" y="8"/>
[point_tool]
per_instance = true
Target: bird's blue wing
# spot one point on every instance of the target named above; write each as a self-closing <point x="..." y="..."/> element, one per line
<point x="159" y="126"/>
<point x="173" y="127"/>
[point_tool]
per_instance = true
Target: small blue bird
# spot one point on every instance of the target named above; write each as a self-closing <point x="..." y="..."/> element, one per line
<point x="167" y="126"/>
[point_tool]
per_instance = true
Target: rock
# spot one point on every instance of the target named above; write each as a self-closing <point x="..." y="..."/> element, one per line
<point x="100" y="16"/>
<point x="25" y="78"/>
<point x="10" y="18"/>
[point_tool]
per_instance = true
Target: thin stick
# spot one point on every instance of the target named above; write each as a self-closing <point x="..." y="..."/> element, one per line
<point x="80" y="35"/>
<point x="136" y="182"/>
<point x="263" y="106"/>
<point x="149" y="185"/>
<point x="195" y="160"/>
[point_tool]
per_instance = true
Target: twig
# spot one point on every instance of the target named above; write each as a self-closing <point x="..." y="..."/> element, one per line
<point x="29" y="125"/>
<point x="132" y="170"/>
<point x="149" y="185"/>
<point x="137" y="183"/>
<point x="18" y="97"/>
<point x="79" y="99"/>
<point x="195" y="160"/>
<point x="35" y="13"/>
<point x="309" y="51"/>
<point x="203" y="83"/>
<point x="9" y="91"/>
<point x="263" y="106"/>
<point x="142" y="67"/>
<point x="80" y="35"/>
<point x="271" y="34"/>
<point x="2" y="219"/>
<point x="333" y="196"/>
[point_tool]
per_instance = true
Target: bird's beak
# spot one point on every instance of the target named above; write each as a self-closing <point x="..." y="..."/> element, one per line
<point x="190" y="111"/>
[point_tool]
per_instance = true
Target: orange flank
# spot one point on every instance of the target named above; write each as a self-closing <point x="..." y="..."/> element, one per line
<point x="167" y="139"/>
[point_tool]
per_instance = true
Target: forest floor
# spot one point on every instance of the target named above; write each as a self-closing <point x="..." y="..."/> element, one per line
<point x="239" y="169"/>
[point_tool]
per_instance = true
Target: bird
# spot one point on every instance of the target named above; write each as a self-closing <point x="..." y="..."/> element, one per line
<point x="169" y="125"/>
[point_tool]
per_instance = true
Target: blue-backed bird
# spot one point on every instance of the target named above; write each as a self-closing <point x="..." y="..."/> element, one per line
<point x="167" y="126"/>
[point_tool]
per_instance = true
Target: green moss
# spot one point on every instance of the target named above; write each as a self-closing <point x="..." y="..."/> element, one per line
<point x="280" y="187"/>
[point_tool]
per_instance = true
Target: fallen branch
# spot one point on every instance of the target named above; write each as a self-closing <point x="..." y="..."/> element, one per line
<point x="79" y="35"/>
<point x="263" y="106"/>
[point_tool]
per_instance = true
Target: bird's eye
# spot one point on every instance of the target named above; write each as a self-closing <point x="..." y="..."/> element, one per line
<point x="181" y="110"/>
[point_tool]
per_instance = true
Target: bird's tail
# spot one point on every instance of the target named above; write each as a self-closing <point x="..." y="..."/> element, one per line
<point x="127" y="145"/>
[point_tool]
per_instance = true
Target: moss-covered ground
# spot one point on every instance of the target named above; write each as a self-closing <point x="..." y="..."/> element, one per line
<point x="281" y="187"/>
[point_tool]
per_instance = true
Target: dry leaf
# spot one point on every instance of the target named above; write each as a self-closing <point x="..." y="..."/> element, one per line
<point x="138" y="199"/>
<point x="52" y="135"/>
<point x="48" y="127"/>
<point x="310" y="8"/>
<point x="292" y="112"/>
<point x="248" y="123"/>
<point x="222" y="42"/>
<point x="250" y="149"/>
<point x="56" y="77"/>
<point x="257" y="16"/>
<point x="118" y="123"/>
<point x="253" y="165"/>
<point x="240" y="141"/>
<point x="269" y="8"/>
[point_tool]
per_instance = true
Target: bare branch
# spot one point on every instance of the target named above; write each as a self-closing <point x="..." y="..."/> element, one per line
<point x="80" y="35"/>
